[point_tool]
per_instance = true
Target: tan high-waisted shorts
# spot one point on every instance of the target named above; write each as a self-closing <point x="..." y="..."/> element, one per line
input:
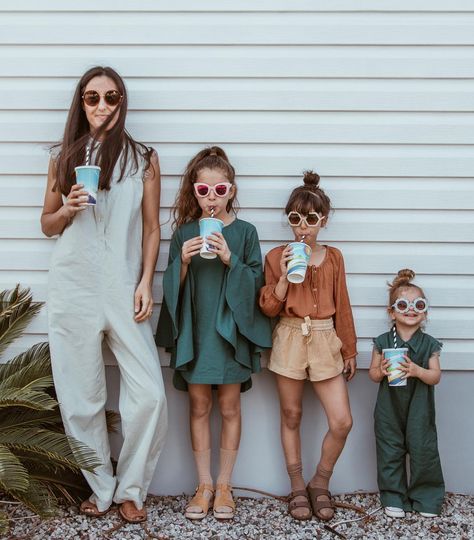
<point x="306" y="349"/>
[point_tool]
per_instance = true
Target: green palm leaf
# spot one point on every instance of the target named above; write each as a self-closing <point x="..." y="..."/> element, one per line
<point x="64" y="451"/>
<point x="31" y="399"/>
<point x="38" y="498"/>
<point x="13" y="475"/>
<point x="22" y="417"/>
<point x="17" y="309"/>
<point x="24" y="369"/>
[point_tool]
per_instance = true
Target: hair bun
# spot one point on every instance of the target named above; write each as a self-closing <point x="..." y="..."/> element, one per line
<point x="311" y="179"/>
<point x="406" y="273"/>
<point x="404" y="276"/>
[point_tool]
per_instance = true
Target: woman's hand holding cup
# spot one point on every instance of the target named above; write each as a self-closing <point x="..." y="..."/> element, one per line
<point x="75" y="201"/>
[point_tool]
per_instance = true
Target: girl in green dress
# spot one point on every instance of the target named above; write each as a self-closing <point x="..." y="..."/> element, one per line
<point x="405" y="415"/>
<point x="210" y="321"/>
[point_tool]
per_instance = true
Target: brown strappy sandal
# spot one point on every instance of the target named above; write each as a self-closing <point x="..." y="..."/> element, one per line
<point x="88" y="508"/>
<point x="201" y="501"/>
<point x="224" y="498"/>
<point x="314" y="493"/>
<point x="293" y="505"/>
<point x="131" y="514"/>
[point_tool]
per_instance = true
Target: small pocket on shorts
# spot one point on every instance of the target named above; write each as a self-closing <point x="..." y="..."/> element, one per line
<point x="335" y="344"/>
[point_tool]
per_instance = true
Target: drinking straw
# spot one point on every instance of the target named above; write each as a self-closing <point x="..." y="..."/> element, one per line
<point x="88" y="154"/>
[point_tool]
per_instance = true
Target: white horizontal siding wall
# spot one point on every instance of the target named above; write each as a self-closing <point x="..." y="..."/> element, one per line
<point x="377" y="96"/>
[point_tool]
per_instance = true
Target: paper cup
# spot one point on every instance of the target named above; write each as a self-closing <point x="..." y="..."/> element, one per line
<point x="296" y="268"/>
<point x="395" y="356"/>
<point x="89" y="176"/>
<point x="208" y="226"/>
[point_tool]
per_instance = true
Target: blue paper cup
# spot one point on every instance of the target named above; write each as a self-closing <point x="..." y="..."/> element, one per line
<point x="208" y="226"/>
<point x="89" y="176"/>
<point x="296" y="268"/>
<point x="395" y="356"/>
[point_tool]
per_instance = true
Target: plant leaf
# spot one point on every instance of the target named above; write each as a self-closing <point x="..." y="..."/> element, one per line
<point x="65" y="451"/>
<point x="31" y="399"/>
<point x="38" y="498"/>
<point x="17" y="310"/>
<point x="35" y="363"/>
<point x="13" y="475"/>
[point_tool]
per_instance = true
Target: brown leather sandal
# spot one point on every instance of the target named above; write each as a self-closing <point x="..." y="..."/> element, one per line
<point x="293" y="505"/>
<point x="224" y="498"/>
<point x="131" y="514"/>
<point x="201" y="501"/>
<point x="88" y="508"/>
<point x="314" y="493"/>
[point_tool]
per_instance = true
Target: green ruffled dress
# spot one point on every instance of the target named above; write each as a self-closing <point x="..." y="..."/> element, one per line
<point x="213" y="327"/>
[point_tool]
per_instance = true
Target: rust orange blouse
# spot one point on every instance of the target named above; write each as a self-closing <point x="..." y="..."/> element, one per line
<point x="322" y="295"/>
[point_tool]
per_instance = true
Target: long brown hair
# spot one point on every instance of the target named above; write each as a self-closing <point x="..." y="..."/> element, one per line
<point x="309" y="197"/>
<point x="117" y="142"/>
<point x="186" y="207"/>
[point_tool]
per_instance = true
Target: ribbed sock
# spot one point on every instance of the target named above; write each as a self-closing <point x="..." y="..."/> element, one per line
<point x="321" y="477"/>
<point x="203" y="466"/>
<point x="227" y="461"/>
<point x="295" y="472"/>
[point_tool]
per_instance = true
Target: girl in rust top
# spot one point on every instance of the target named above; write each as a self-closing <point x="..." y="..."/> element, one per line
<point x="314" y="339"/>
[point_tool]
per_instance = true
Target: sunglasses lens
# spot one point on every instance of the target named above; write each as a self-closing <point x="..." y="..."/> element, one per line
<point x="221" y="190"/>
<point x="112" y="97"/>
<point x="294" y="219"/>
<point x="91" y="98"/>
<point x="312" y="220"/>
<point x="201" y="189"/>
<point x="420" y="305"/>
<point x="402" y="305"/>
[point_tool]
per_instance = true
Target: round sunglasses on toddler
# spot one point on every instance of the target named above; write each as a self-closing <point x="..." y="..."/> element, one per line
<point x="312" y="219"/>
<point x="111" y="97"/>
<point x="403" y="305"/>
<point x="202" y="189"/>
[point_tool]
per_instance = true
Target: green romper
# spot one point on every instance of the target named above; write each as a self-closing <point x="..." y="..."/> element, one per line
<point x="405" y="424"/>
<point x="213" y="326"/>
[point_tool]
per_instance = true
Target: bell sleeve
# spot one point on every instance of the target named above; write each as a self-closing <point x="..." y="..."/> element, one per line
<point x="174" y="330"/>
<point x="238" y="311"/>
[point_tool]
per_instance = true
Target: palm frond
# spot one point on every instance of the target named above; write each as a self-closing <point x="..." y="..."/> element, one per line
<point x="4" y="523"/>
<point x="13" y="475"/>
<point x="65" y="451"/>
<point x="31" y="399"/>
<point x="17" y="309"/>
<point x="38" y="498"/>
<point x="21" y="417"/>
<point x="35" y="363"/>
<point x="112" y="419"/>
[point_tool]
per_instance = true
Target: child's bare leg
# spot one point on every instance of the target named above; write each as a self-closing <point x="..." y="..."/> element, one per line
<point x="335" y="400"/>
<point x="229" y="406"/>
<point x="291" y="395"/>
<point x="200" y="404"/>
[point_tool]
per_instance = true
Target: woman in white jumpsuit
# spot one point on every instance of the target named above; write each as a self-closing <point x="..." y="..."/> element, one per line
<point x="100" y="289"/>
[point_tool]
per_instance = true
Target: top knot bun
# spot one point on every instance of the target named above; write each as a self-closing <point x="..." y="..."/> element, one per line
<point x="404" y="277"/>
<point x="311" y="179"/>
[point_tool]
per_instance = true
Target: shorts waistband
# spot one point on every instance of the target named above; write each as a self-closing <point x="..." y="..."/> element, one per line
<point x="316" y="324"/>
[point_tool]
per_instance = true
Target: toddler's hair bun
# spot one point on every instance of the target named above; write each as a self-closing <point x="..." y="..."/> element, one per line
<point x="404" y="277"/>
<point x="311" y="179"/>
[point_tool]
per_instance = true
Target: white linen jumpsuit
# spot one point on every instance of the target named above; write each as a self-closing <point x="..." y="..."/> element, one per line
<point x="95" y="269"/>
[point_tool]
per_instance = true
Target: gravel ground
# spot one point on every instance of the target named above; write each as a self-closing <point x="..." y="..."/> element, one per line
<point x="257" y="519"/>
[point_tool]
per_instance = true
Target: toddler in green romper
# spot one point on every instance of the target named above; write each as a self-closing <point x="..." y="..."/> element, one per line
<point x="405" y="415"/>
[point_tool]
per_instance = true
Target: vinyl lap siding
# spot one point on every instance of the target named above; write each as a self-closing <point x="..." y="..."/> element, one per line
<point x="378" y="97"/>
